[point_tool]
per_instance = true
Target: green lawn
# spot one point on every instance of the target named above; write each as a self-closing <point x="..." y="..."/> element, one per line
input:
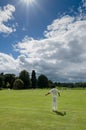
<point x="31" y="110"/>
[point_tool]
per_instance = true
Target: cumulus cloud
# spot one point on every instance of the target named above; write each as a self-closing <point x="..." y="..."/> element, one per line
<point x="5" y="16"/>
<point x="61" y="55"/>
<point x="8" y="64"/>
<point x="82" y="10"/>
<point x="84" y="3"/>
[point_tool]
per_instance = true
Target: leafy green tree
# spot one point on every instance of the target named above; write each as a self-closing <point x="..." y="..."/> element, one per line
<point x="18" y="84"/>
<point x="24" y="76"/>
<point x="8" y="85"/>
<point x="1" y="81"/>
<point x="50" y="83"/>
<point x="42" y="81"/>
<point x="33" y="79"/>
<point x="9" y="78"/>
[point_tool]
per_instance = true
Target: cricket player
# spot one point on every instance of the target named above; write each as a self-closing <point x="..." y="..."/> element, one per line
<point x="54" y="91"/>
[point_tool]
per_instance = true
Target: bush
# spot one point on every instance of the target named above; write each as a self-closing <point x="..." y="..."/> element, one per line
<point x="18" y="84"/>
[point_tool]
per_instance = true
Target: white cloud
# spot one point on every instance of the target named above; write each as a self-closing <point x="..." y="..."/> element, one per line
<point x="8" y="64"/>
<point x="82" y="10"/>
<point x="5" y="16"/>
<point x="61" y="55"/>
<point x="84" y="3"/>
<point x="59" y="27"/>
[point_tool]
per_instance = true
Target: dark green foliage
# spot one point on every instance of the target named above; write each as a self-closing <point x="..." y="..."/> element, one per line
<point x="50" y="83"/>
<point x="33" y="79"/>
<point x="24" y="76"/>
<point x="18" y="84"/>
<point x="9" y="78"/>
<point x="42" y="81"/>
<point x="8" y="85"/>
<point x="1" y="81"/>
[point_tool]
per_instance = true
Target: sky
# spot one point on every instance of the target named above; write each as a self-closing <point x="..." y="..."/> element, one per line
<point x="48" y="36"/>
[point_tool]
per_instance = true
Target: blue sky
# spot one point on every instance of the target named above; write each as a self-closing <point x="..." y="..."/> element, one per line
<point x="46" y="35"/>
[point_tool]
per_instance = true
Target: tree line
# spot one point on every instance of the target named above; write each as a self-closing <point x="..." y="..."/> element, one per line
<point x="25" y="81"/>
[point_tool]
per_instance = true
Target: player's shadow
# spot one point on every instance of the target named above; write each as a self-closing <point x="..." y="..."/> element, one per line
<point x="60" y="113"/>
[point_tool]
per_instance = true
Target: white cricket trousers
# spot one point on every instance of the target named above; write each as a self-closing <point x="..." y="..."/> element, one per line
<point x="54" y="103"/>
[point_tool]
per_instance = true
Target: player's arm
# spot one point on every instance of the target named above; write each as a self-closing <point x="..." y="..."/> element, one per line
<point x="58" y="93"/>
<point x="47" y="93"/>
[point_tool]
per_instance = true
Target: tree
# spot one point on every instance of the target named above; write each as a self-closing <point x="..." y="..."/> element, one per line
<point x="33" y="79"/>
<point x="24" y="76"/>
<point x="1" y="81"/>
<point x="42" y="81"/>
<point x="18" y="84"/>
<point x="9" y="78"/>
<point x="7" y="85"/>
<point x="50" y="83"/>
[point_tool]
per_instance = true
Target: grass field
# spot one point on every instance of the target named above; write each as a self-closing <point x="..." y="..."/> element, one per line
<point x="31" y="110"/>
